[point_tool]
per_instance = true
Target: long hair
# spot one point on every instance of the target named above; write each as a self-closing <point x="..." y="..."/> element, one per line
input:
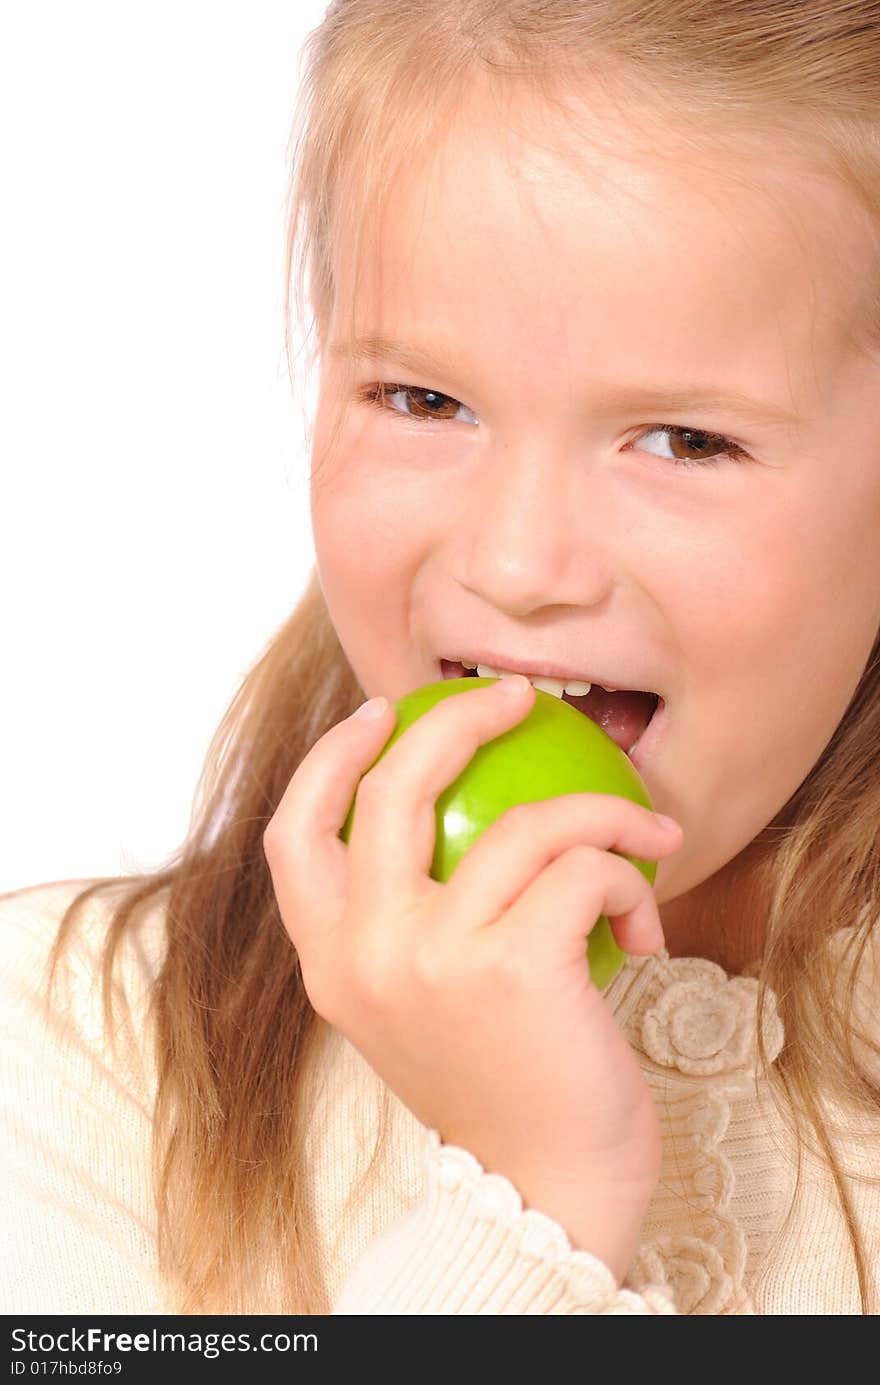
<point x="236" y="1038"/>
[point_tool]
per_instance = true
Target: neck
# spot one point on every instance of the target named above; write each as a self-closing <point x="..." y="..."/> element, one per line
<point x="724" y="918"/>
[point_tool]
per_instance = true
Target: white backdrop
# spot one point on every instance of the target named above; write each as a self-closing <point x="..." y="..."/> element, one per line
<point x="155" y="526"/>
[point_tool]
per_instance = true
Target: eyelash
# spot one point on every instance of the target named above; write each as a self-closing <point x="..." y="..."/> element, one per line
<point x="374" y="395"/>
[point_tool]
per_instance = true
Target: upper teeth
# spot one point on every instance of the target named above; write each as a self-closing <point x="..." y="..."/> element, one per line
<point x="551" y="685"/>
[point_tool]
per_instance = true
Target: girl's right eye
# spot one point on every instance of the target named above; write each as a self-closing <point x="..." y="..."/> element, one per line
<point x="426" y="404"/>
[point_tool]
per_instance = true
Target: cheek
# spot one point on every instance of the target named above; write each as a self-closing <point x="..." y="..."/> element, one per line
<point x="769" y="590"/>
<point x="370" y="538"/>
<point x="730" y="594"/>
<point x="361" y="570"/>
<point x="381" y="505"/>
<point x="775" y="632"/>
<point x="356" y="521"/>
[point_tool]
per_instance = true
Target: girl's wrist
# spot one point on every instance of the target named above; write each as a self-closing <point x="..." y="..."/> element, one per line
<point x="606" y="1222"/>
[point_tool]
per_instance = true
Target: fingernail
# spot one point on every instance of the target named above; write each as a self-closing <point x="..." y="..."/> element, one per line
<point x="669" y="823"/>
<point x="372" y="710"/>
<point x="515" y="685"/>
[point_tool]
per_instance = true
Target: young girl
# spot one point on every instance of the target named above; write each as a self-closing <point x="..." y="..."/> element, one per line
<point x="595" y="295"/>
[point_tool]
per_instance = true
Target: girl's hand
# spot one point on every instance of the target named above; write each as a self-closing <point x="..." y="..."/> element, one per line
<point x="472" y="999"/>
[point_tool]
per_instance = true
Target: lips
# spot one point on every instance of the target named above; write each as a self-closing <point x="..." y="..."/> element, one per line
<point x="624" y="715"/>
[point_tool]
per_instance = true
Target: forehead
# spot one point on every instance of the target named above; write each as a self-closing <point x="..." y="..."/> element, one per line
<point x="529" y="216"/>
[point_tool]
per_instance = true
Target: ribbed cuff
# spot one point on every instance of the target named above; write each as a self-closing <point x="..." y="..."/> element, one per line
<point x="469" y="1247"/>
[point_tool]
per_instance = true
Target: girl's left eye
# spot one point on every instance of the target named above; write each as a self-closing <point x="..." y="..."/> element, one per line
<point x="422" y="404"/>
<point x="711" y="448"/>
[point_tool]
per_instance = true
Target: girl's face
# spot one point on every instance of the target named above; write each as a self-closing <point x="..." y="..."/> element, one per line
<point x="562" y="311"/>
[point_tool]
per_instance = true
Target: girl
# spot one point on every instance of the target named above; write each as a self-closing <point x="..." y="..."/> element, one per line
<point x="595" y="297"/>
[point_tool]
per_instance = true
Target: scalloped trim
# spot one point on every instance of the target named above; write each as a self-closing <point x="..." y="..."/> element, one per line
<point x="694" y="1250"/>
<point x="540" y="1239"/>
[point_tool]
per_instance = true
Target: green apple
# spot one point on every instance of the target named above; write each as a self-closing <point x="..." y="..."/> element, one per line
<point x="554" y="750"/>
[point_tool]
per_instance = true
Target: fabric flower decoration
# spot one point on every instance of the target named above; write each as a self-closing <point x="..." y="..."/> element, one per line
<point x="691" y="1268"/>
<point x="705" y="1022"/>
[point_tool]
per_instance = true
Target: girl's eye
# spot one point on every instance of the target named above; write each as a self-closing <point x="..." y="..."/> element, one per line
<point x="681" y="445"/>
<point x="425" y="403"/>
<point x="684" y="446"/>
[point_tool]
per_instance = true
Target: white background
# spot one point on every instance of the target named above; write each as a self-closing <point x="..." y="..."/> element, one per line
<point x="154" y="503"/>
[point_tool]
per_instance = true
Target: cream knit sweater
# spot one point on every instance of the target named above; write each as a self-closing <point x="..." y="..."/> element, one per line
<point x="435" y="1234"/>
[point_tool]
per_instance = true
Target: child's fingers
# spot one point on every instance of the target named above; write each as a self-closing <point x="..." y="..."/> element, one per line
<point x="395" y="826"/>
<point x="307" y="860"/>
<point x="561" y="907"/>
<point x="526" y="838"/>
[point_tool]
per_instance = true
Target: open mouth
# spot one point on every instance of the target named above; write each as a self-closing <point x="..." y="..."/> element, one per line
<point x="624" y="714"/>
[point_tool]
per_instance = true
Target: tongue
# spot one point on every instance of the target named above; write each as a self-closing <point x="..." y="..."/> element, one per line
<point x="622" y="715"/>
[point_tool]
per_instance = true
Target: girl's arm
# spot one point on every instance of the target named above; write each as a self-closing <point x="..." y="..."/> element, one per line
<point x="469" y="1247"/>
<point x="76" y="1207"/>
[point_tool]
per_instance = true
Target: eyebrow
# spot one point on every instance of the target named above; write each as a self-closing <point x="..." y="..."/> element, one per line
<point x="616" y="399"/>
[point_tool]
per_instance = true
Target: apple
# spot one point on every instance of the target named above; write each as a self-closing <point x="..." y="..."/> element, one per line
<point x="554" y="750"/>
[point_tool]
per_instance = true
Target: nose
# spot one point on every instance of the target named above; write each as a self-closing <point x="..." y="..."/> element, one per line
<point x="535" y="535"/>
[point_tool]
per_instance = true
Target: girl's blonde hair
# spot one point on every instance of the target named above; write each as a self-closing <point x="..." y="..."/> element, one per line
<point x="381" y="80"/>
